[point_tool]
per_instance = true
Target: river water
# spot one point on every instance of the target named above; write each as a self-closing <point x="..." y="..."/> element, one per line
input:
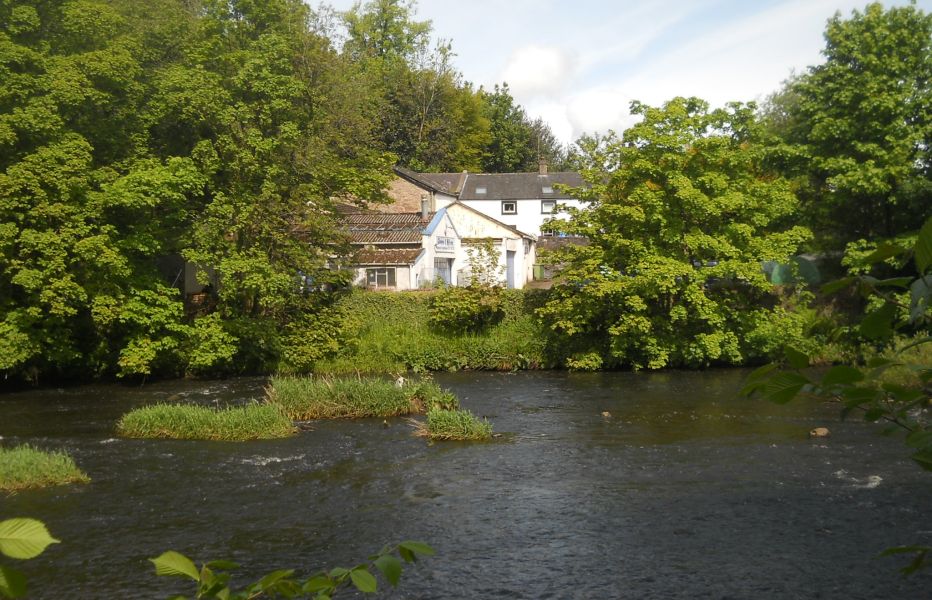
<point x="684" y="491"/>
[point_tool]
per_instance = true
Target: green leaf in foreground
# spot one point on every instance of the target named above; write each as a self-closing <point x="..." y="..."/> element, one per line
<point x="12" y="583"/>
<point x="390" y="568"/>
<point x="795" y="358"/>
<point x="363" y="580"/>
<point x="24" y="538"/>
<point x="172" y="563"/>
<point x="842" y="374"/>
<point x="878" y="324"/>
<point x="784" y="386"/>
<point x="418" y="548"/>
<point x="919" y="562"/>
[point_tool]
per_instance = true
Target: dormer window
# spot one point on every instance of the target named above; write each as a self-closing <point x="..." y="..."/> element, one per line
<point x="480" y="191"/>
<point x="547" y="189"/>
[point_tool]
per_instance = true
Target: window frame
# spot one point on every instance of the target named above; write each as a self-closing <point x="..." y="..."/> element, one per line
<point x="553" y="207"/>
<point x="389" y="274"/>
<point x="514" y="203"/>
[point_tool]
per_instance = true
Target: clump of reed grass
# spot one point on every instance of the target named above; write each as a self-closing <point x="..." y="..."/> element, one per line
<point x="23" y="467"/>
<point x="190" y="422"/>
<point x="304" y="398"/>
<point x="458" y="425"/>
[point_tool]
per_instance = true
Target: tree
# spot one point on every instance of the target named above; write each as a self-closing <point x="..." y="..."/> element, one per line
<point x="517" y="142"/>
<point x="682" y="212"/>
<point x="859" y="126"/>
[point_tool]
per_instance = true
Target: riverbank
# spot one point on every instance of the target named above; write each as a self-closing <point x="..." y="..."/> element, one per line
<point x="390" y="332"/>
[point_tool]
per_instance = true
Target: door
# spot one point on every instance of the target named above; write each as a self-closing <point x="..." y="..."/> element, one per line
<point x="510" y="268"/>
<point x="442" y="269"/>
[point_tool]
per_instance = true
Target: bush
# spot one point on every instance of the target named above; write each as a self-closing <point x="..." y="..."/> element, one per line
<point x="466" y="309"/>
<point x="326" y="398"/>
<point x="392" y="334"/>
<point x="189" y="422"/>
<point x="458" y="425"/>
<point x="27" y="467"/>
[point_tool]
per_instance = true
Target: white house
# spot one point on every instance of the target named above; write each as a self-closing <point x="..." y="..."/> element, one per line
<point x="402" y="251"/>
<point x="516" y="250"/>
<point x="524" y="201"/>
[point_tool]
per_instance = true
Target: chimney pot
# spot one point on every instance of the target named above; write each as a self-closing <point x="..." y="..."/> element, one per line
<point x="425" y="207"/>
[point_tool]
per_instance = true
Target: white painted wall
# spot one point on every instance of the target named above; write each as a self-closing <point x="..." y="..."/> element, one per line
<point x="528" y="219"/>
<point x="402" y="277"/>
<point x="472" y="226"/>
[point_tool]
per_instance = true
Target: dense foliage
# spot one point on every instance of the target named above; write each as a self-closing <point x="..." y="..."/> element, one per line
<point x="219" y="132"/>
<point x="857" y="128"/>
<point x="683" y="212"/>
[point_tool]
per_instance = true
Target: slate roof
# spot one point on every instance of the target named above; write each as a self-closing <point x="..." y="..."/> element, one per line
<point x="445" y="183"/>
<point x="498" y="186"/>
<point x="385" y="228"/>
<point x="519" y="186"/>
<point x="387" y="257"/>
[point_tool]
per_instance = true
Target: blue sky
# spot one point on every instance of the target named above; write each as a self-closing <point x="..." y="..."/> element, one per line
<point x="578" y="64"/>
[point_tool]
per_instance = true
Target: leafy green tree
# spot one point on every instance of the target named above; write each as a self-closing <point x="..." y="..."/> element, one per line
<point x="517" y="142"/>
<point x="682" y="212"/>
<point x="859" y="126"/>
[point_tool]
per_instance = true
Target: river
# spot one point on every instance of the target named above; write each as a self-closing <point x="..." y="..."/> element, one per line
<point x="685" y="490"/>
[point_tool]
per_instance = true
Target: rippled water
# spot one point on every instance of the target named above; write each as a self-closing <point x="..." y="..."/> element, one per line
<point x="684" y="491"/>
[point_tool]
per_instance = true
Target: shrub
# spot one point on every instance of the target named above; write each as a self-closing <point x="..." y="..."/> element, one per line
<point x="351" y="398"/>
<point x="458" y="425"/>
<point x="190" y="422"/>
<point x="466" y="309"/>
<point x="27" y="467"/>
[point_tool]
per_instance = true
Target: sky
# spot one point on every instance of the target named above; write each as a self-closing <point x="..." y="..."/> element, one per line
<point x="578" y="64"/>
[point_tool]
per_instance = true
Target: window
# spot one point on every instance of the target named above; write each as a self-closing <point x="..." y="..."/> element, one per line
<point x="546" y="233"/>
<point x="509" y="208"/>
<point x="547" y="206"/>
<point x="547" y="189"/>
<point x="480" y="190"/>
<point x="379" y="278"/>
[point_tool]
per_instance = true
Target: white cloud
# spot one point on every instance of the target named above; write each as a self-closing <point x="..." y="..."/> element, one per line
<point x="539" y="70"/>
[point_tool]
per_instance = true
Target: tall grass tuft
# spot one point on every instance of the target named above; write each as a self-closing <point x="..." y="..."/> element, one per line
<point x="304" y="398"/>
<point x="25" y="467"/>
<point x="189" y="422"/>
<point x="457" y="425"/>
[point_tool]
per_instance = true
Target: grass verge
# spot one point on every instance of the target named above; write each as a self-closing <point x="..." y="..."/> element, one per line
<point x="304" y="398"/>
<point x="25" y="467"/>
<point x="459" y="425"/>
<point x="189" y="422"/>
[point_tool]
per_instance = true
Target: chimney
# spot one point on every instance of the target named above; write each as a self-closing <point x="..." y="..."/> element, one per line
<point x="425" y="207"/>
<point x="542" y="163"/>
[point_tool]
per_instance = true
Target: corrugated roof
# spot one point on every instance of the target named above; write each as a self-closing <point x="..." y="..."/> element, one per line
<point x="385" y="228"/>
<point x="385" y="237"/>
<point x="518" y="186"/>
<point x="387" y="257"/>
